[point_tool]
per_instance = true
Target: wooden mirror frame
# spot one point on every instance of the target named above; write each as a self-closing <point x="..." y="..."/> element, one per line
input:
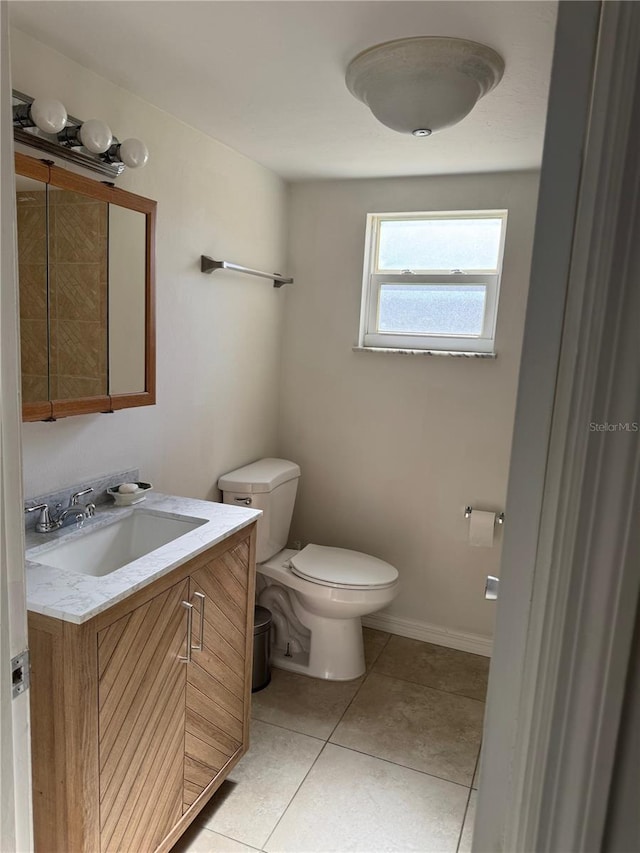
<point x="48" y="173"/>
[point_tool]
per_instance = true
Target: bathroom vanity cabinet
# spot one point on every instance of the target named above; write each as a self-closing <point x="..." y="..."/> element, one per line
<point x="139" y="713"/>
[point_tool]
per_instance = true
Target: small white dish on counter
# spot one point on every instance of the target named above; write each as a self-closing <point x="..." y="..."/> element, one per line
<point x="130" y="498"/>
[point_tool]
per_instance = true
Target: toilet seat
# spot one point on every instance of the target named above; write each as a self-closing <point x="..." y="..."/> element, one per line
<point x="339" y="567"/>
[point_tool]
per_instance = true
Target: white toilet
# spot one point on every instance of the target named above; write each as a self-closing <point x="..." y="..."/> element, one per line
<point x="316" y="595"/>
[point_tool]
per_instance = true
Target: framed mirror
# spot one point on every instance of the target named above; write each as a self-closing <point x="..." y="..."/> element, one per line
<point x="87" y="305"/>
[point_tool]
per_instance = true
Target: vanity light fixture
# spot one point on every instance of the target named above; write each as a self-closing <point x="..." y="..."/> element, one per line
<point x="47" y="114"/>
<point x="94" y="135"/>
<point x="423" y="84"/>
<point x="44" y="123"/>
<point x="132" y="152"/>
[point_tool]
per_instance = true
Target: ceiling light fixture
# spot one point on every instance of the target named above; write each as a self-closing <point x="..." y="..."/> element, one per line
<point x="423" y="84"/>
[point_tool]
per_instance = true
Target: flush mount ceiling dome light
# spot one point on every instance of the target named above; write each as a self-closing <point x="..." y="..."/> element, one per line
<point x="423" y="84"/>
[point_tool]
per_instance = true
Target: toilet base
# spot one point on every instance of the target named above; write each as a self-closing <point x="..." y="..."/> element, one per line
<point x="336" y="651"/>
<point x="320" y="623"/>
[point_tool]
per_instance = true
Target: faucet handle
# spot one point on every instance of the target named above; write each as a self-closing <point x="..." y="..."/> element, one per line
<point x="44" y="523"/>
<point x="40" y="507"/>
<point x="75" y="498"/>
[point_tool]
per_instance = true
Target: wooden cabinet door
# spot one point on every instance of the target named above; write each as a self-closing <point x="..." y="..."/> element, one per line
<point x="219" y="675"/>
<point x="141" y="698"/>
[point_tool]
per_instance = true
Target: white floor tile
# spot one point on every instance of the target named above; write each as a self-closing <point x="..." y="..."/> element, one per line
<point x="353" y="802"/>
<point x="425" y="729"/>
<point x="250" y="802"/>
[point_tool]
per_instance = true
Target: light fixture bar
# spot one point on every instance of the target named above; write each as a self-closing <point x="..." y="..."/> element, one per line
<point x="49" y="143"/>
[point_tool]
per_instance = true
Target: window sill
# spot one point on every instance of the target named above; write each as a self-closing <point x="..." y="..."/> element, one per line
<point x="438" y="352"/>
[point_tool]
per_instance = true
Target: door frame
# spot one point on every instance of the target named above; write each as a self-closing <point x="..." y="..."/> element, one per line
<point x="15" y="739"/>
<point x="570" y="586"/>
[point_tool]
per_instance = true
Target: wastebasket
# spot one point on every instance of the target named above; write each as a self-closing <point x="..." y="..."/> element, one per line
<point x="261" y="649"/>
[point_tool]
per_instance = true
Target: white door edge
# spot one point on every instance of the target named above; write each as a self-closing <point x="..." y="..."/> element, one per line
<point x="588" y="585"/>
<point x="568" y="596"/>
<point x="15" y="757"/>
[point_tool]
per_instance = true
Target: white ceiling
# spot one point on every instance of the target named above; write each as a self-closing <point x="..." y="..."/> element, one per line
<point x="267" y="78"/>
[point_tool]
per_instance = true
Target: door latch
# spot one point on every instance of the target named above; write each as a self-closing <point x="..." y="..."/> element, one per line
<point x="20" y="671"/>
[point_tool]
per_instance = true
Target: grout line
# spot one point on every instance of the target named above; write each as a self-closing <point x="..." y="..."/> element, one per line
<point x="295" y="793"/>
<point x="477" y="767"/>
<point x="288" y="729"/>
<point x="429" y="687"/>
<point x="229" y="837"/>
<point x="366" y="675"/>
<point x="466" y="808"/>
<point x="362" y="683"/>
<point x="368" y="754"/>
<point x="377" y="657"/>
<point x="464" y="818"/>
<point x="397" y="764"/>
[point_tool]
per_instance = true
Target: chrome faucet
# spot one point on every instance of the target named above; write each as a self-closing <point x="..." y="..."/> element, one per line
<point x="76" y="511"/>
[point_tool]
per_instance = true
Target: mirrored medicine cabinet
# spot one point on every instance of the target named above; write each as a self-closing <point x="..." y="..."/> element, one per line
<point x="87" y="304"/>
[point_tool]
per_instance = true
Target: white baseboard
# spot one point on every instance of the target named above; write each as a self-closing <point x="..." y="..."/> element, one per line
<point x="474" y="643"/>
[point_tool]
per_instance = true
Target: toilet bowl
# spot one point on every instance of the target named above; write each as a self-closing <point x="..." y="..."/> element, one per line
<point x="329" y="610"/>
<point x="318" y="594"/>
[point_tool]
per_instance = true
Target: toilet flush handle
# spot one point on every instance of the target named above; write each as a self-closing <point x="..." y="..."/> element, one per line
<point x="245" y="501"/>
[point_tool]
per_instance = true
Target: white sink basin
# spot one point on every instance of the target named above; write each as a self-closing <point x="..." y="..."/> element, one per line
<point x="103" y="550"/>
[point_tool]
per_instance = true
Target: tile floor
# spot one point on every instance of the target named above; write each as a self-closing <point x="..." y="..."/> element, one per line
<point x="386" y="762"/>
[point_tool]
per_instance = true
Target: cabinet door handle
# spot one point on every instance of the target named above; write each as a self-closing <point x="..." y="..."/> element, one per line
<point x="189" y="607"/>
<point x="202" y="598"/>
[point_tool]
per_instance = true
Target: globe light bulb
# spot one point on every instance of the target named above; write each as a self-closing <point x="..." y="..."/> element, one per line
<point x="95" y="135"/>
<point x="48" y="115"/>
<point x="134" y="153"/>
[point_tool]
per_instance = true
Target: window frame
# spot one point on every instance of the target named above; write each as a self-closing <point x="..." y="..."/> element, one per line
<point x="370" y="337"/>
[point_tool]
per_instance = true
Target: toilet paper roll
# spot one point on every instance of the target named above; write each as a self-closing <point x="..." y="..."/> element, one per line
<point x="482" y="528"/>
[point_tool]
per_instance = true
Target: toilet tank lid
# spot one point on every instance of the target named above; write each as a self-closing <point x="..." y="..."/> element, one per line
<point x="261" y="476"/>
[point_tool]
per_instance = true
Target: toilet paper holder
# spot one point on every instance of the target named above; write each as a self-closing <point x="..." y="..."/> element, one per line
<point x="469" y="509"/>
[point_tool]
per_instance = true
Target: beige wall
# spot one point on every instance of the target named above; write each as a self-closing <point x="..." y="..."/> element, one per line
<point x="393" y="447"/>
<point x="218" y="337"/>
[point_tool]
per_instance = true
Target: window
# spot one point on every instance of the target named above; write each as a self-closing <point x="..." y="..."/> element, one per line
<point x="432" y="280"/>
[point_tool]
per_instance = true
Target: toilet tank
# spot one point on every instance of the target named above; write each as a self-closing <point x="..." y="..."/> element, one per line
<point x="269" y="485"/>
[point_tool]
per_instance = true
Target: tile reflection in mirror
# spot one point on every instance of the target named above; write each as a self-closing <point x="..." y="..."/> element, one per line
<point x="78" y="270"/>
<point x="31" y="203"/>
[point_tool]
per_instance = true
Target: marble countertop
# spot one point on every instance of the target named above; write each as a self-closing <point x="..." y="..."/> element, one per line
<point x="76" y="597"/>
